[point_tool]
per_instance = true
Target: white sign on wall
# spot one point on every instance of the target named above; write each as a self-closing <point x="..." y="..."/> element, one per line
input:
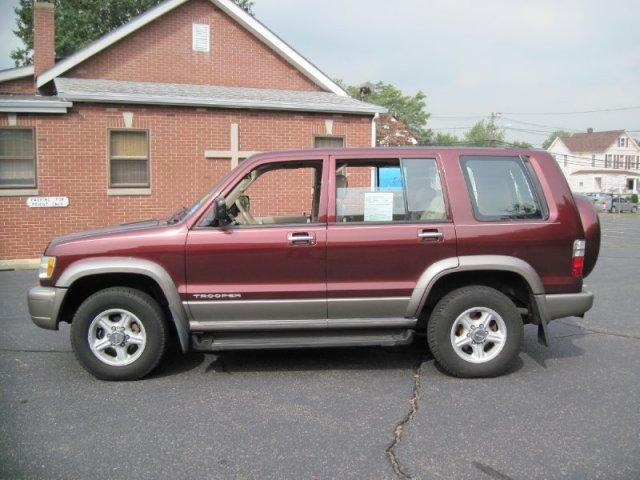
<point x="200" y="37"/>
<point x="47" y="202"/>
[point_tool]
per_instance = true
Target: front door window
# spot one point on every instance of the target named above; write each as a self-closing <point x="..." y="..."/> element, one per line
<point x="278" y="193"/>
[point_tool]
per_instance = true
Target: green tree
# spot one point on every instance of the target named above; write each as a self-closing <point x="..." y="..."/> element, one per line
<point x="80" y="22"/>
<point x="484" y="134"/>
<point x="410" y="109"/>
<point x="445" y="139"/>
<point x="520" y="144"/>
<point x="558" y="133"/>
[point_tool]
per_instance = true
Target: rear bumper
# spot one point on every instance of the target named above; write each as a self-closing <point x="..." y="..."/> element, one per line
<point x="550" y="307"/>
<point x="568" y="304"/>
<point x="44" y="306"/>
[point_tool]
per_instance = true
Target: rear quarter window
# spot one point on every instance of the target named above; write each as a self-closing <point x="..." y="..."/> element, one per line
<point x="502" y="188"/>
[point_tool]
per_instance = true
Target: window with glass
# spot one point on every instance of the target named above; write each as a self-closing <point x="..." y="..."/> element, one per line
<point x="285" y="193"/>
<point x="328" y="142"/>
<point x="129" y="158"/>
<point x="17" y="158"/>
<point x="502" y="188"/>
<point x="381" y="190"/>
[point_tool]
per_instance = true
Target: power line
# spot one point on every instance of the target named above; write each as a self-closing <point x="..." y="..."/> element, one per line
<point x="600" y="110"/>
<point x="541" y="125"/>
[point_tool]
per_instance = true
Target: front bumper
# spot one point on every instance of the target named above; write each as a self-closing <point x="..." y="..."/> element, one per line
<point x="44" y="306"/>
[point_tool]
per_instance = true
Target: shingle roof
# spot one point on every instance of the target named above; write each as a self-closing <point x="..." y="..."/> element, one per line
<point x="591" y="142"/>
<point x="116" y="91"/>
<point x="609" y="171"/>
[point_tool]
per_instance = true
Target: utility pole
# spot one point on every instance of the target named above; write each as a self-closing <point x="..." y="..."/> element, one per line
<point x="492" y="128"/>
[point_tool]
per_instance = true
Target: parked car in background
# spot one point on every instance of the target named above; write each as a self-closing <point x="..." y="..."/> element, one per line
<point x="329" y="248"/>
<point x="622" y="204"/>
<point x="601" y="201"/>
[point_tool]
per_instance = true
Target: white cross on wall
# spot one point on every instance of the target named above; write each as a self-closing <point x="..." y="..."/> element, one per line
<point x="235" y="154"/>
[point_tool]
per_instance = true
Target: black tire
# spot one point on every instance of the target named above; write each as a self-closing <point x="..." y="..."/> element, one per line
<point x="148" y="312"/>
<point x="613" y="210"/>
<point x="450" y="307"/>
<point x="634" y="209"/>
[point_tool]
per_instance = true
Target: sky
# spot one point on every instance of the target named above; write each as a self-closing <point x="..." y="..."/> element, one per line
<point x="527" y="61"/>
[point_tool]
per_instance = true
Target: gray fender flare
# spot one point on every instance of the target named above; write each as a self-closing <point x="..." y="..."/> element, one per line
<point x="470" y="263"/>
<point x="97" y="266"/>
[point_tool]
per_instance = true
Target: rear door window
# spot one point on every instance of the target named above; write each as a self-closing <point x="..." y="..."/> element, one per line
<point x="502" y="188"/>
<point x="389" y="190"/>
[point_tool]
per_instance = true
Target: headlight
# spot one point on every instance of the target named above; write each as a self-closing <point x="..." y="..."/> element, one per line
<point x="47" y="264"/>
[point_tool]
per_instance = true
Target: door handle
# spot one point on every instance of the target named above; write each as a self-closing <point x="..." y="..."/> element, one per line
<point x="430" y="235"/>
<point x="301" y="238"/>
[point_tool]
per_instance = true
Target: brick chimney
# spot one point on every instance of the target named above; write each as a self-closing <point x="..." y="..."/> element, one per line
<point x="44" y="54"/>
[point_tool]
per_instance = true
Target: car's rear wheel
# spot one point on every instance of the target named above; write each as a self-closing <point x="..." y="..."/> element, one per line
<point x="475" y="331"/>
<point x="119" y="334"/>
<point x="634" y="209"/>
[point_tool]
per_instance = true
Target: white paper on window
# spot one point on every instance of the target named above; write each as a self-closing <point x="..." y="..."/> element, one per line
<point x="378" y="206"/>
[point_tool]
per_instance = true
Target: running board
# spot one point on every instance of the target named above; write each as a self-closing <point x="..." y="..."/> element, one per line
<point x="205" y="342"/>
<point x="305" y="324"/>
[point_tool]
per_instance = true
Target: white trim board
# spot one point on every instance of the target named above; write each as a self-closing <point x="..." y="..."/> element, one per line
<point x="15" y="73"/>
<point x="231" y="9"/>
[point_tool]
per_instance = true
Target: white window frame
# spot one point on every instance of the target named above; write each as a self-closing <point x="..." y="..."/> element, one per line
<point x="128" y="189"/>
<point x="23" y="190"/>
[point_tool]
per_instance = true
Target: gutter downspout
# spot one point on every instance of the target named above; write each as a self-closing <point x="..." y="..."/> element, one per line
<point x="373" y="129"/>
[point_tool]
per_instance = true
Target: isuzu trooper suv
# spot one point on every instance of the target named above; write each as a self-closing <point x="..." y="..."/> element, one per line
<point x="330" y="248"/>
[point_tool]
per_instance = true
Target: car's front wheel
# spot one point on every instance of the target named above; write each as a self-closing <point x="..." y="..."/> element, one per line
<point x="475" y="331"/>
<point x="119" y="333"/>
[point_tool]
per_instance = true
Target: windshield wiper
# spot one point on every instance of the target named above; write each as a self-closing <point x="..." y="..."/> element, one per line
<point x="178" y="215"/>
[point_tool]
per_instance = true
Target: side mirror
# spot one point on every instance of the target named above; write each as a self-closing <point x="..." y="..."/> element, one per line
<point x="245" y="202"/>
<point x="222" y="216"/>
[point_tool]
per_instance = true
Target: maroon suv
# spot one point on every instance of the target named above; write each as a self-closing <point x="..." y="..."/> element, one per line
<point x="326" y="248"/>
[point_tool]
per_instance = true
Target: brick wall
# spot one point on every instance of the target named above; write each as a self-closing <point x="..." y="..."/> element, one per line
<point x="44" y="56"/>
<point x="21" y="85"/>
<point x="162" y="52"/>
<point x="72" y="162"/>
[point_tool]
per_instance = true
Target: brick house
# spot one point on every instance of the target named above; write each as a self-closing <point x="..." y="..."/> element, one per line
<point x="151" y="116"/>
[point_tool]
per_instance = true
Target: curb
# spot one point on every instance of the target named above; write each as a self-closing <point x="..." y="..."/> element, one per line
<point x="20" y="264"/>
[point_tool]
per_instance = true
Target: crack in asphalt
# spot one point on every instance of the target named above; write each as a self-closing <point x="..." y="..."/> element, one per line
<point x="399" y="428"/>
<point x="590" y="331"/>
<point x="23" y="350"/>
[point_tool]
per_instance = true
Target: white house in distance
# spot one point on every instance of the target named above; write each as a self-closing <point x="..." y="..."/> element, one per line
<point x="602" y="162"/>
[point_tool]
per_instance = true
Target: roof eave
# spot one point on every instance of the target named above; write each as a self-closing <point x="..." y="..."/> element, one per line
<point x="33" y="105"/>
<point x="16" y="73"/>
<point x="367" y="109"/>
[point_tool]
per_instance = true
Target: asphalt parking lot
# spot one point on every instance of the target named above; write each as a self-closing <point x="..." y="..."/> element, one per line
<point x="569" y="411"/>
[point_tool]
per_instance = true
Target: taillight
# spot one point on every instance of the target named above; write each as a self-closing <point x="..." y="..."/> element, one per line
<point x="577" y="263"/>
